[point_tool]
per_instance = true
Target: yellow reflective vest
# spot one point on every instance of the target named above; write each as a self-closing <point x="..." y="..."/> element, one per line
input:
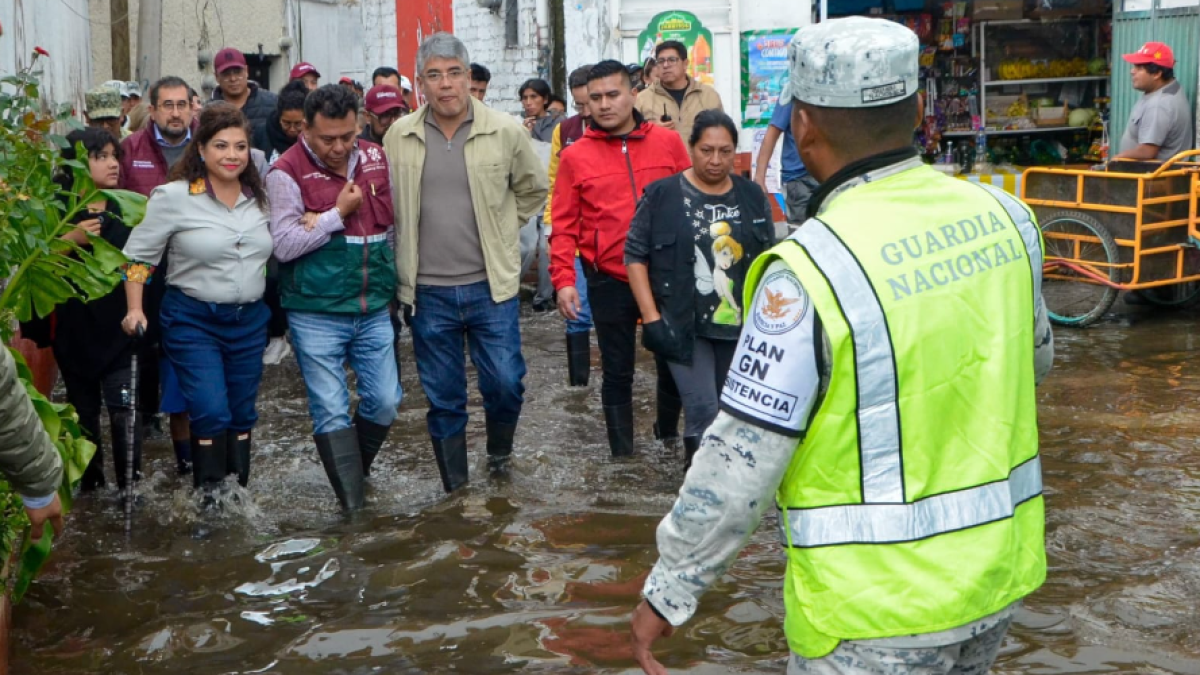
<point x="913" y="504"/>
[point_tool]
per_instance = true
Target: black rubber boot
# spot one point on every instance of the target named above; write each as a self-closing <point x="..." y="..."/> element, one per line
<point x="579" y="358"/>
<point x="690" y="445"/>
<point x="343" y="464"/>
<point x="499" y="444"/>
<point x="237" y="456"/>
<point x="93" y="475"/>
<point x="371" y="438"/>
<point x="208" y="461"/>
<point x="451" y="454"/>
<point x="618" y="420"/>
<point x="120" y="421"/>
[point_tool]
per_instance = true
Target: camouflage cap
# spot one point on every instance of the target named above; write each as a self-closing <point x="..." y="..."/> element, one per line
<point x="102" y="103"/>
<point x="853" y="62"/>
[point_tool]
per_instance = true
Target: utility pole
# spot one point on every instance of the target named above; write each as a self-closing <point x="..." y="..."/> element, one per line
<point x="118" y="16"/>
<point x="149" y="62"/>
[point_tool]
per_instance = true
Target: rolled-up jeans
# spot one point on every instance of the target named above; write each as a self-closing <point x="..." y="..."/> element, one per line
<point x="442" y="317"/>
<point x="216" y="350"/>
<point x="324" y="343"/>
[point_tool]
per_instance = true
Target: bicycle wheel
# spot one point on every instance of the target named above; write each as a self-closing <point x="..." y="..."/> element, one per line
<point x="1076" y="295"/>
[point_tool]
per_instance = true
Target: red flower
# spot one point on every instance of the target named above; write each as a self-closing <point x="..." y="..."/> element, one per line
<point x="40" y="52"/>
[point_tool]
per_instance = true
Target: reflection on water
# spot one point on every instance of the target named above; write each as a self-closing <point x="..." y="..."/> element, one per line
<point x="538" y="573"/>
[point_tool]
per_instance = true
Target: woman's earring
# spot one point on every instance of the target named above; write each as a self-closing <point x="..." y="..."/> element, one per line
<point x="201" y="158"/>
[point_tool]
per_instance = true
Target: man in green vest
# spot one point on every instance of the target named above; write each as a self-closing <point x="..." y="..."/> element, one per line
<point x="883" y="392"/>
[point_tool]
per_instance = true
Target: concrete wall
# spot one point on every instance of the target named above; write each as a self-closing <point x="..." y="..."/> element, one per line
<point x="61" y="29"/>
<point x="484" y="35"/>
<point x="189" y="27"/>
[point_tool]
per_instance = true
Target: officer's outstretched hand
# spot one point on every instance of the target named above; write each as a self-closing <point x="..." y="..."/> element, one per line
<point x="646" y="627"/>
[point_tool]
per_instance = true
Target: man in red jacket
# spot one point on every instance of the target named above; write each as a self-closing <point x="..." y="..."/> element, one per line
<point x="600" y="180"/>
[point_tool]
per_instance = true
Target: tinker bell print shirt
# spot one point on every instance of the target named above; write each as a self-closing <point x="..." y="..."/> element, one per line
<point x="721" y="264"/>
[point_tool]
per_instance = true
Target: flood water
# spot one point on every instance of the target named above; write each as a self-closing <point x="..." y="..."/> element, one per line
<point x="538" y="573"/>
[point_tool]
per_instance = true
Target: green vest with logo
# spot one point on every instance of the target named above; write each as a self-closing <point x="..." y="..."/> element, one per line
<point x="913" y="504"/>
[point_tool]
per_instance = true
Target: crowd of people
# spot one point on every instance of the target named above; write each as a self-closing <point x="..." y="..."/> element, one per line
<point x="320" y="220"/>
<point x="896" y="434"/>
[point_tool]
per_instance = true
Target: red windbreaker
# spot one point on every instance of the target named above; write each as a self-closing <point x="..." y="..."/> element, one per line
<point x="600" y="181"/>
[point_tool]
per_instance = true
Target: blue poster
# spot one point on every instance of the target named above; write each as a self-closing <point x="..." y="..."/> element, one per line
<point x="764" y="72"/>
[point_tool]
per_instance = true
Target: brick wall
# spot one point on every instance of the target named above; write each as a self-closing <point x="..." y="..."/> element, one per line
<point x="484" y="35"/>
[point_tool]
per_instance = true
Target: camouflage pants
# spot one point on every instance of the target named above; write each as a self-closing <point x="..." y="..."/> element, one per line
<point x="970" y="657"/>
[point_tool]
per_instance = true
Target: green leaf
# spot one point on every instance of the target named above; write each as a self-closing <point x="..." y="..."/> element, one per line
<point x="33" y="557"/>
<point x="132" y="204"/>
<point x="46" y="289"/>
<point x="107" y="256"/>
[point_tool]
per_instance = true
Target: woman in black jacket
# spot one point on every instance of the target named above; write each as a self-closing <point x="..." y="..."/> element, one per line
<point x="93" y="353"/>
<point x="689" y="247"/>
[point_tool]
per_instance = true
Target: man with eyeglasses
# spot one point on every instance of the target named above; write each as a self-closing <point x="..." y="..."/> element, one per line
<point x="675" y="100"/>
<point x="466" y="178"/>
<point x="147" y="157"/>
<point x="234" y="85"/>
<point x="385" y="104"/>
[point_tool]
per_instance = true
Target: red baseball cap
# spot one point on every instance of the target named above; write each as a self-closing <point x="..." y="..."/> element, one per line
<point x="228" y="58"/>
<point x="303" y="68"/>
<point x="1152" y="52"/>
<point x="384" y="97"/>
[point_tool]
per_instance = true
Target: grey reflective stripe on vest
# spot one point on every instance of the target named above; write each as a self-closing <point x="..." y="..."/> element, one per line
<point x="1029" y="233"/>
<point x="371" y="239"/>
<point x="874" y="362"/>
<point x="938" y="514"/>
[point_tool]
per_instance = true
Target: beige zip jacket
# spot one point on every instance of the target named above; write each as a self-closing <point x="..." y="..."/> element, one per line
<point x="508" y="186"/>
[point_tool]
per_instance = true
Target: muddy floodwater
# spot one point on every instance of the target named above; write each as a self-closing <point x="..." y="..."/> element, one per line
<point x="538" y="573"/>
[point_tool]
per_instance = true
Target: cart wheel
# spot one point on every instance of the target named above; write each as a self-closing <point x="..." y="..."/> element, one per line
<point x="1175" y="296"/>
<point x="1073" y="298"/>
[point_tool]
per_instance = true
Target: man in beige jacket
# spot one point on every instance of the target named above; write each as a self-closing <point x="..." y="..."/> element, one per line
<point x="464" y="179"/>
<point x="676" y="99"/>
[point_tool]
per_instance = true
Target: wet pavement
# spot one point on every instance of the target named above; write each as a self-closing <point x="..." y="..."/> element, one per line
<point x="538" y="573"/>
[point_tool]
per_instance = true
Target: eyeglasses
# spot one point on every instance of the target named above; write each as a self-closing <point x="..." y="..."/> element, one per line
<point x="453" y="75"/>
<point x="291" y="125"/>
<point x="173" y="106"/>
<point x="670" y="60"/>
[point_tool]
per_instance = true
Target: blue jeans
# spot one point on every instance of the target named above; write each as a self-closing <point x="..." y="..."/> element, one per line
<point x="216" y="351"/>
<point x="584" y="323"/>
<point x="323" y="343"/>
<point x="441" y="317"/>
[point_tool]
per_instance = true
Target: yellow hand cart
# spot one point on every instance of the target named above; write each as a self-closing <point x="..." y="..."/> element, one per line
<point x="1130" y="228"/>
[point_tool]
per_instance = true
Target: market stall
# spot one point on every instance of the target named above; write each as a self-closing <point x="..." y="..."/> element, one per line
<point x="1008" y="84"/>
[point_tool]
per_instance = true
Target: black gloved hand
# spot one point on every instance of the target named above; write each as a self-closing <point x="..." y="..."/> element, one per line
<point x="660" y="337"/>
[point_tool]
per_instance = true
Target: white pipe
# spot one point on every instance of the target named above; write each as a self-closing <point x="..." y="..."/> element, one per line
<point x="824" y="10"/>
<point x="541" y="11"/>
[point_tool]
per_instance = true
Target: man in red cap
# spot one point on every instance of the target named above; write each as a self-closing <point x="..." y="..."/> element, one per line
<point x="308" y="73"/>
<point x="234" y="85"/>
<point x="385" y="104"/>
<point x="1160" y="125"/>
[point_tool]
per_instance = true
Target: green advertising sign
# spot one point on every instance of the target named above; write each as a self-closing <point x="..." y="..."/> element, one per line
<point x="686" y="28"/>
